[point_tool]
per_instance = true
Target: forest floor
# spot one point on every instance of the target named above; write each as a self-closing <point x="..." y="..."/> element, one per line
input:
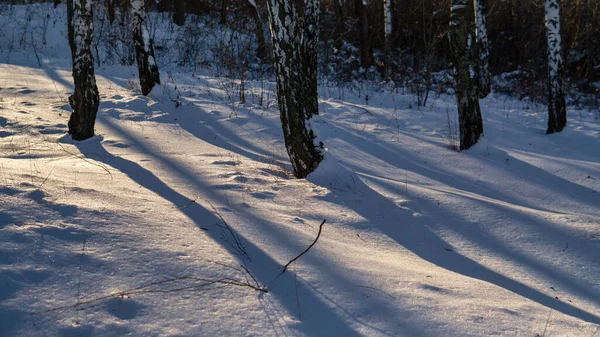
<point x="143" y="229"/>
<point x="177" y="221"/>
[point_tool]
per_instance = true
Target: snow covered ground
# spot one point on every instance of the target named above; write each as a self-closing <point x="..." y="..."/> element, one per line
<point x="178" y="221"/>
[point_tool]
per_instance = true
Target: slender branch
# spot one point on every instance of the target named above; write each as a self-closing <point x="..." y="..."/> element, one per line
<point x="237" y="243"/>
<point x="48" y="176"/>
<point x="307" y="249"/>
<point x="251" y="276"/>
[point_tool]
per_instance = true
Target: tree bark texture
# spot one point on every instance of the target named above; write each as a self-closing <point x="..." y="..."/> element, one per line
<point x="388" y="27"/>
<point x="295" y="62"/>
<point x="464" y="54"/>
<point x="85" y="99"/>
<point x="485" y="80"/>
<point x="144" y="51"/>
<point x="557" y="108"/>
<point x="388" y="33"/>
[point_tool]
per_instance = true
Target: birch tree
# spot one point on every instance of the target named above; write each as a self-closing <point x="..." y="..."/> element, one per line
<point x="144" y="52"/>
<point x="463" y="55"/>
<point x="387" y="31"/>
<point x="295" y="41"/>
<point x="85" y="99"/>
<point x="557" y="109"/>
<point x="485" y="81"/>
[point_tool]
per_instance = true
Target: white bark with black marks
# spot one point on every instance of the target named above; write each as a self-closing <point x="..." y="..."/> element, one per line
<point x="557" y="109"/>
<point x="387" y="34"/>
<point x="387" y="14"/>
<point x="295" y="62"/>
<point x="463" y="48"/>
<point x="85" y="99"/>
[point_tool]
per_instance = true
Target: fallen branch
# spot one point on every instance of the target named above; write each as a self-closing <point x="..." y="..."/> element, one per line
<point x="237" y="243"/>
<point x="306" y="250"/>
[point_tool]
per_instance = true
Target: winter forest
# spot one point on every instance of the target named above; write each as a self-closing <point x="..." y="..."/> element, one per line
<point x="300" y="168"/>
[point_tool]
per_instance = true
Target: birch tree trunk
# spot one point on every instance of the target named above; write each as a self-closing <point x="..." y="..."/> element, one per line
<point x="557" y="109"/>
<point x="485" y="80"/>
<point x="295" y="60"/>
<point x="309" y="44"/>
<point x="463" y="55"/>
<point x="144" y="52"/>
<point x="85" y="99"/>
<point x="387" y="15"/>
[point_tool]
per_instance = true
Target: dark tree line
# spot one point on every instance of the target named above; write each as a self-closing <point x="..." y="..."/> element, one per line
<point x="516" y="30"/>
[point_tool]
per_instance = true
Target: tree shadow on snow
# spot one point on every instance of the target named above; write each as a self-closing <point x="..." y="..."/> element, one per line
<point x="204" y="124"/>
<point x="262" y="266"/>
<point x="34" y="269"/>
<point x="418" y="235"/>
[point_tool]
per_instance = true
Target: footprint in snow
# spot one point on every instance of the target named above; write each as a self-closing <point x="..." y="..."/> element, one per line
<point x="123" y="308"/>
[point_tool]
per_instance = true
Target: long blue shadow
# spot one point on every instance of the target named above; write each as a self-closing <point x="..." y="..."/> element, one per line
<point x="416" y="235"/>
<point x="263" y="267"/>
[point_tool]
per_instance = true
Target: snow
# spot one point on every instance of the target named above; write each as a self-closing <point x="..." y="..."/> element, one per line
<point x="252" y="3"/>
<point x="420" y="240"/>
